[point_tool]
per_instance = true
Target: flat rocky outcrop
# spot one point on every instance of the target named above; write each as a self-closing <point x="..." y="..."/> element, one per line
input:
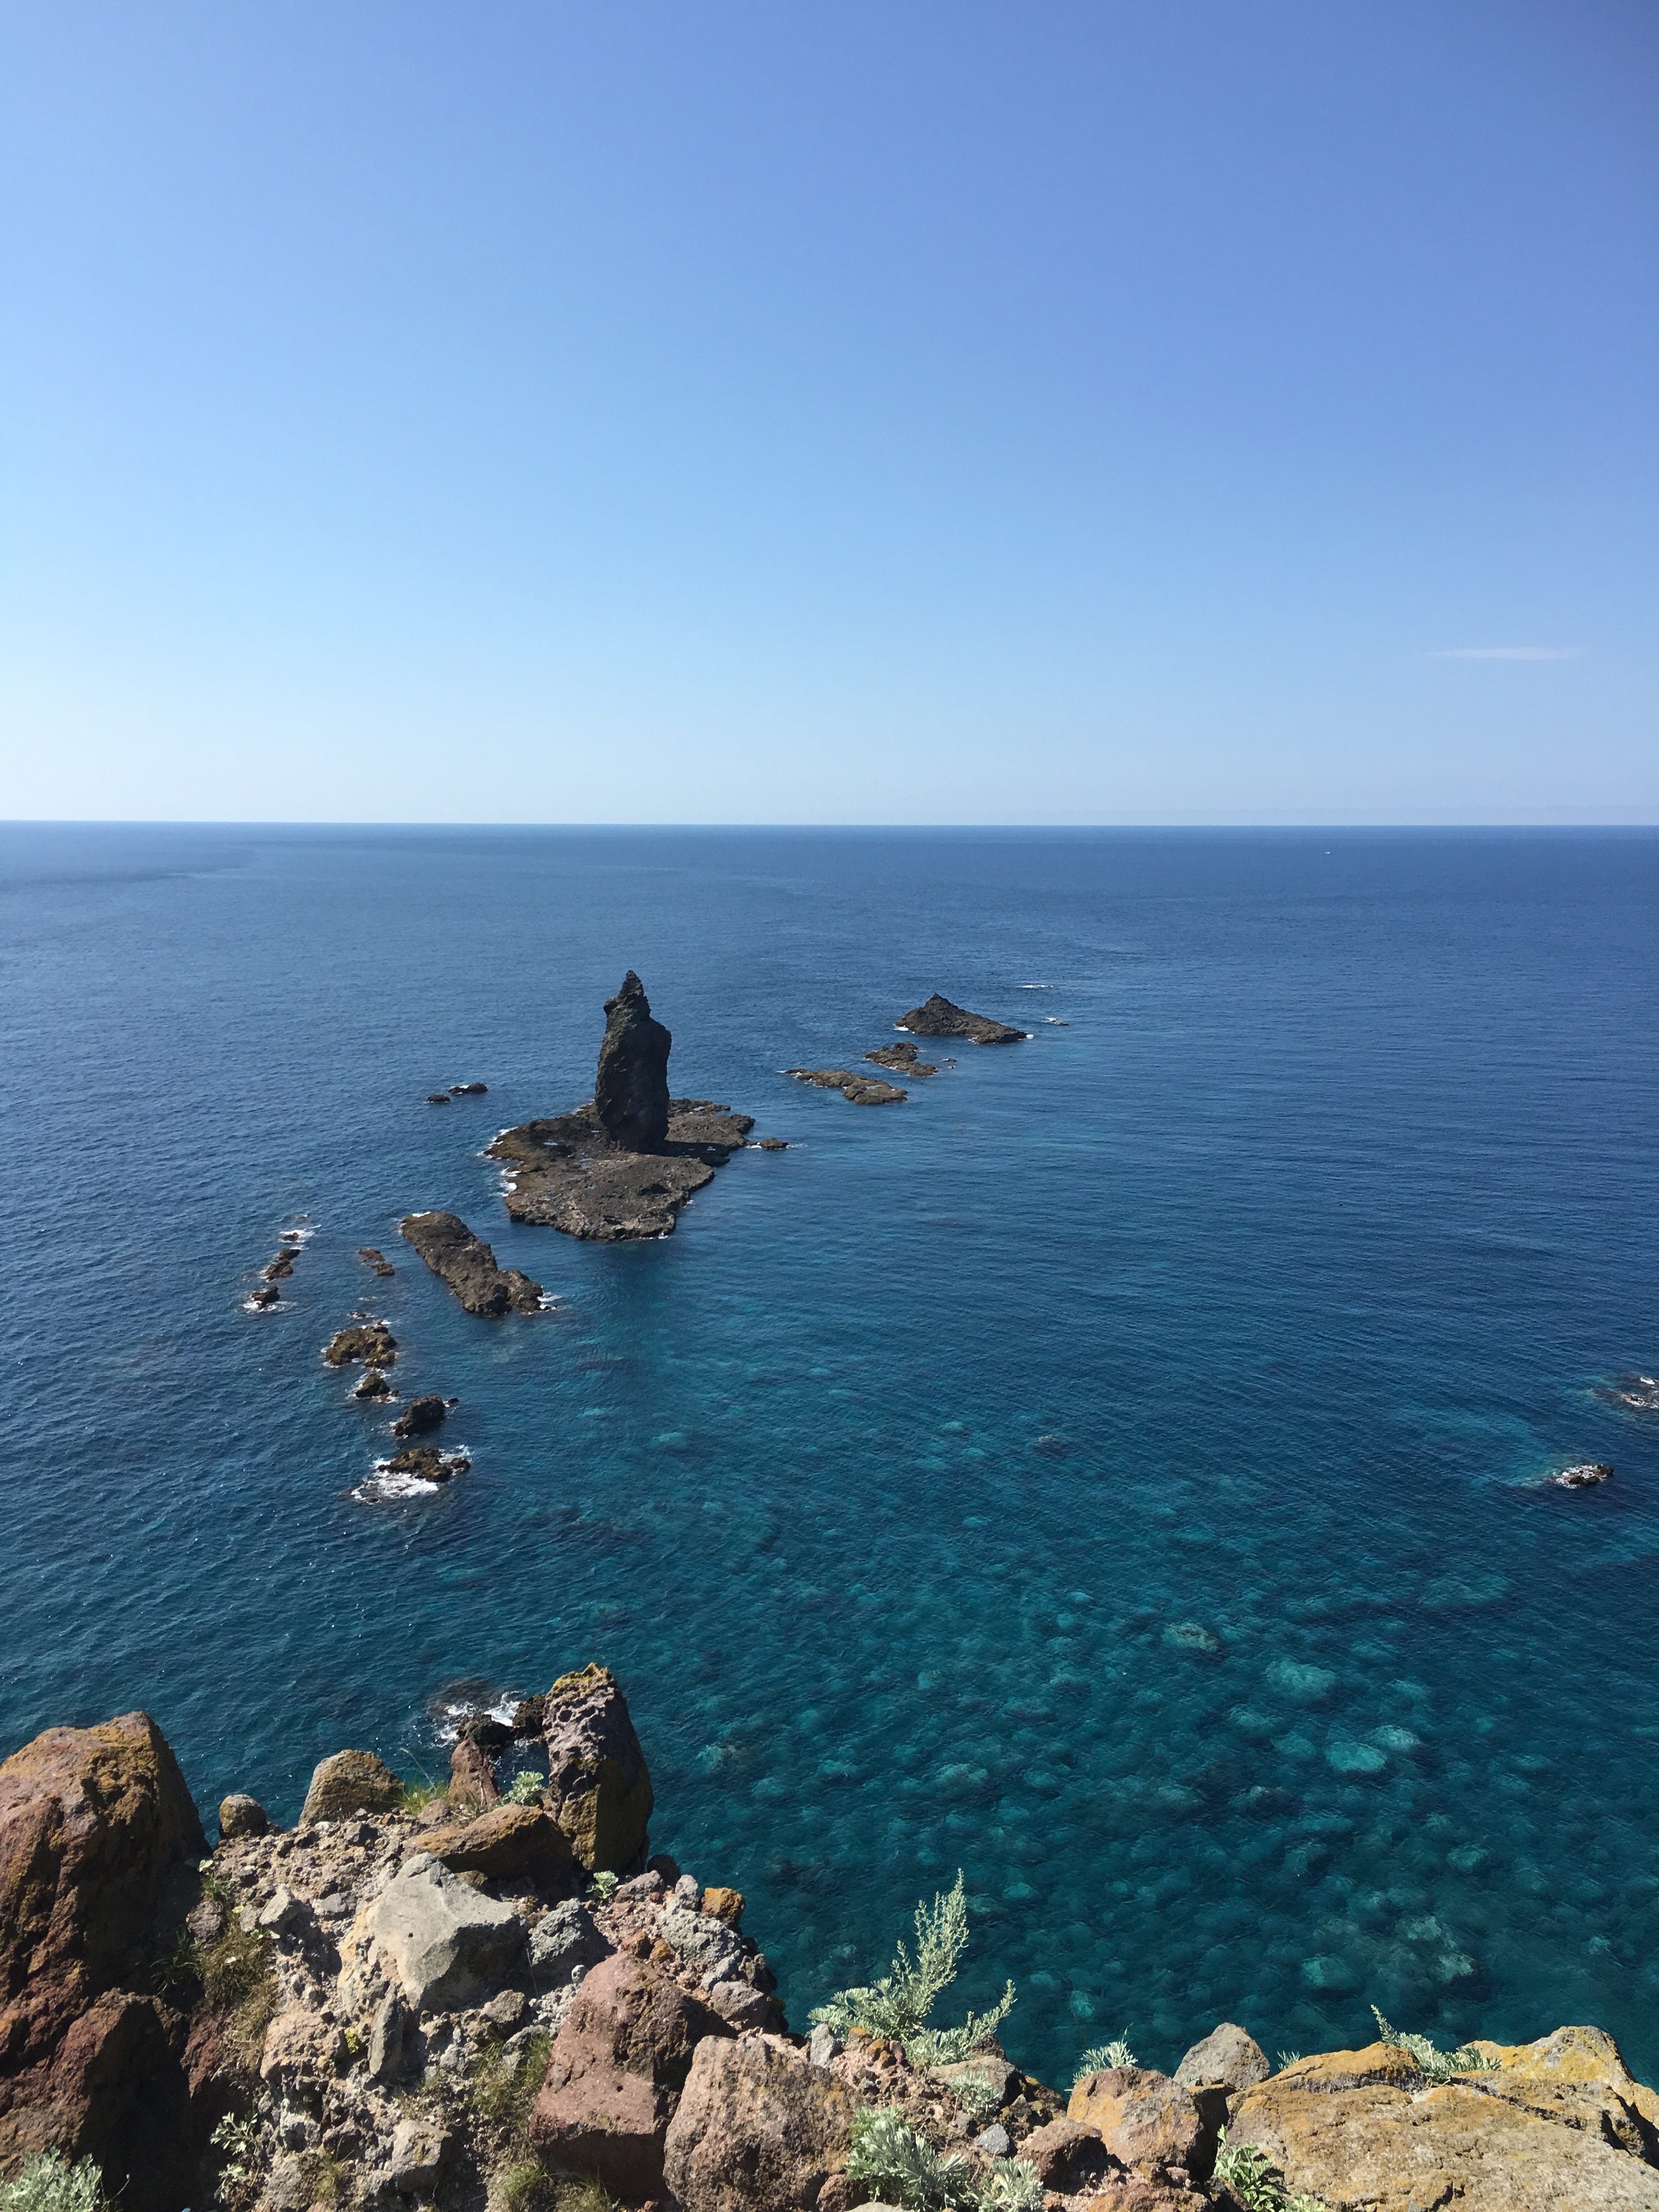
<point x="938" y="1017"/>
<point x="902" y="1060"/>
<point x="622" y="1167"/>
<point x="370" y="1341"/>
<point x="467" y="1264"/>
<point x="858" y="1090"/>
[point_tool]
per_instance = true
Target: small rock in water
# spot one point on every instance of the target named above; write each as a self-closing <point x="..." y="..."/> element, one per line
<point x="904" y="1059"/>
<point x="772" y="1145"/>
<point x="1191" y="1635"/>
<point x="427" y="1462"/>
<point x="266" y="1295"/>
<point x="858" y="1090"/>
<point x="371" y="1342"/>
<point x="939" y="1017"/>
<point x="437" y="1098"/>
<point x="420" y="1415"/>
<point x="1585" y="1477"/>
<point x="1640" y="1393"/>
<point x="378" y="1261"/>
<point x="374" y="1385"/>
<point x="468" y="1090"/>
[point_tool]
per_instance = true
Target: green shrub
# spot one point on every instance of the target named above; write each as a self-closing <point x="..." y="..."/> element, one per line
<point x="602" y="1885"/>
<point x="1013" y="2187"/>
<point x="978" y="2097"/>
<point x="1103" y="2056"/>
<point x="525" y="1789"/>
<point x="897" y="2007"/>
<point x="50" y="2184"/>
<point x="1434" y="2065"/>
<point x="1248" y="2174"/>
<point x="240" y="2143"/>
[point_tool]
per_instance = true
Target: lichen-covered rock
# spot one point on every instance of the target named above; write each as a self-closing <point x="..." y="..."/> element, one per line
<point x="598" y="1782"/>
<point x="99" y="1840"/>
<point x="1143" y="2117"/>
<point x="630" y="1092"/>
<point x="1577" y="2075"/>
<point x="724" y="1904"/>
<point x="350" y="1781"/>
<point x="509" y="1843"/>
<point x="622" y="2053"/>
<point x="758" y="2129"/>
<point x="447" y="1944"/>
<point x="1365" y="2130"/>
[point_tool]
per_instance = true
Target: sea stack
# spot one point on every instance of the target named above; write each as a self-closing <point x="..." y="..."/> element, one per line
<point x="630" y="1093"/>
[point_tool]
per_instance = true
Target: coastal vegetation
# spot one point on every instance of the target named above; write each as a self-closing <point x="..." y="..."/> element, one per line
<point x="897" y="2006"/>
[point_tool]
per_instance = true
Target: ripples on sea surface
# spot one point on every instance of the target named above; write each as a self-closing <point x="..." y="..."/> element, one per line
<point x="1276" y="1684"/>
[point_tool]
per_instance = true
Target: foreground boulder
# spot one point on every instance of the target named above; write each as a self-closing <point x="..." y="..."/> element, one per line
<point x="1144" y="2119"/>
<point x="758" y="2129"/>
<point x="349" y="1782"/>
<point x="509" y="1843"/>
<point x="1365" y="2129"/>
<point x="446" y="1942"/>
<point x="99" y="1841"/>
<point x="467" y="1264"/>
<point x="598" y="1782"/>
<point x="938" y="1017"/>
<point x="618" y="2063"/>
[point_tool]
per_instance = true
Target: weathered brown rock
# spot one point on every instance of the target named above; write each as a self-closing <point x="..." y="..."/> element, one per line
<point x="99" y="1841"/>
<point x="374" y="1385"/>
<point x="1228" y="2057"/>
<point x="509" y="1843"/>
<point x="350" y="1782"/>
<point x="568" y="1173"/>
<point x="371" y="1342"/>
<point x="1364" y="2129"/>
<point x="1577" y="2075"/>
<point x="598" y="1782"/>
<point x="376" y="1262"/>
<point x="904" y="1059"/>
<point x="467" y="1264"/>
<point x="472" y="1776"/>
<point x="1143" y="2117"/>
<point x="724" y="1906"/>
<point x="630" y="1094"/>
<point x="1069" y="2159"/>
<point x="622" y="2053"/>
<point x="240" y="1816"/>
<point x="858" y="1090"/>
<point x="426" y="1461"/>
<point x="757" y="2128"/>
<point x="939" y="1017"/>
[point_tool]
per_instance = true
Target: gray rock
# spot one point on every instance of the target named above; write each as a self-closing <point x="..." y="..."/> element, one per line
<point x="507" y="2008"/>
<point x="708" y="1945"/>
<point x="741" y="2004"/>
<point x="568" y="1939"/>
<point x="419" y="2150"/>
<point x="822" y="2045"/>
<point x="447" y="1944"/>
<point x="1227" y="2055"/>
<point x="995" y="2140"/>
<point x="630" y="1093"/>
<point x="385" y="2038"/>
<point x="288" y="1917"/>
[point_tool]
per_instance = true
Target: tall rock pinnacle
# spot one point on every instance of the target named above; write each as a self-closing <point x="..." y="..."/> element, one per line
<point x="631" y="1091"/>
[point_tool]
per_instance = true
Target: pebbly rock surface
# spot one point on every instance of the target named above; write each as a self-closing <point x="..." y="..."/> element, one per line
<point x="622" y="1166"/>
<point x="938" y="1017"/>
<point x="858" y="1090"/>
<point x="467" y="1264"/>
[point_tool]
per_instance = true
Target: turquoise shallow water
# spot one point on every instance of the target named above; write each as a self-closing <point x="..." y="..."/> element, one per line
<point x="1277" y="1686"/>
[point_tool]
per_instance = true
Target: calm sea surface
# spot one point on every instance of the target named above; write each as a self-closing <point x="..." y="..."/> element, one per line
<point x="1272" y="1683"/>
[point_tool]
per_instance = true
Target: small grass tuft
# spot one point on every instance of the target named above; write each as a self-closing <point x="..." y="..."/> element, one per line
<point x="1104" y="2056"/>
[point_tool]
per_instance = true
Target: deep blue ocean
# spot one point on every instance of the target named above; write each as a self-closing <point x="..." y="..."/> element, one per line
<point x="1304" y="1233"/>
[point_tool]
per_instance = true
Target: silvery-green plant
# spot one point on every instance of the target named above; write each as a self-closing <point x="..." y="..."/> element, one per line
<point x="1248" y="2174"/>
<point x="897" y="2007"/>
<point x="978" y="2097"/>
<point x="240" y="2143"/>
<point x="1103" y="2056"/>
<point x="525" y="1789"/>
<point x="603" y="1885"/>
<point x="1013" y="2187"/>
<point x="1434" y="2065"/>
<point x="895" y="2166"/>
<point x="50" y="2184"/>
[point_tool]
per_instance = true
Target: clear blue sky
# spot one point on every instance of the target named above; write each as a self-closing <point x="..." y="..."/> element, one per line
<point x="866" y="411"/>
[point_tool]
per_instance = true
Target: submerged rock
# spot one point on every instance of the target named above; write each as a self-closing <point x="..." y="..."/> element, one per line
<point x="1639" y="1393"/>
<point x="630" y="1093"/>
<point x="467" y="1264"/>
<point x="371" y="1342"/>
<point x="858" y="1090"/>
<point x="468" y="1090"/>
<point x="622" y="1166"/>
<point x="598" y="1782"/>
<point x="375" y="1261"/>
<point x="1585" y="1477"/>
<point x="438" y="1098"/>
<point x="939" y="1017"/>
